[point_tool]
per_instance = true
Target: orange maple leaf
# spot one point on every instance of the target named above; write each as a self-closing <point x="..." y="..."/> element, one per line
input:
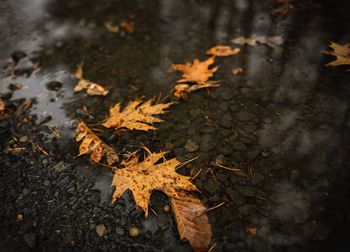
<point x="197" y="72"/>
<point x="148" y="175"/>
<point x="223" y="51"/>
<point x="136" y="115"/>
<point x="341" y="52"/>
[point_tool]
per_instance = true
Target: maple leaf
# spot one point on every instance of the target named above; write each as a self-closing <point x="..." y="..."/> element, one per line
<point x="197" y="72"/>
<point x="341" y="52"/>
<point x="255" y="39"/>
<point x="94" y="145"/>
<point x="192" y="221"/>
<point x="223" y="50"/>
<point x="141" y="178"/>
<point x="92" y="88"/>
<point x="136" y="115"/>
<point x="182" y="91"/>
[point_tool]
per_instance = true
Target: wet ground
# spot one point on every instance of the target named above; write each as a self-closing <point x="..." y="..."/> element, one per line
<point x="285" y="122"/>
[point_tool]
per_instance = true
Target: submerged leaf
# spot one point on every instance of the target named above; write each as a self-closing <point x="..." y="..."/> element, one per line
<point x="283" y="10"/>
<point x="137" y="115"/>
<point x="223" y="50"/>
<point x="141" y="178"/>
<point x="341" y="52"/>
<point x="94" y="145"/>
<point x="192" y="221"/>
<point x="197" y="72"/>
<point x="92" y="88"/>
<point x="128" y="26"/>
<point x="255" y="39"/>
<point x="111" y="27"/>
<point x="2" y="106"/>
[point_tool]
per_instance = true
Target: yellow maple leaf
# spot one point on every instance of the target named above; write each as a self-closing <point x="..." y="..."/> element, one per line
<point x="2" y="106"/>
<point x="137" y="115"/>
<point x="92" y="88"/>
<point x="341" y="52"/>
<point x="94" y="145"/>
<point x="198" y="71"/>
<point x="223" y="51"/>
<point x="141" y="178"/>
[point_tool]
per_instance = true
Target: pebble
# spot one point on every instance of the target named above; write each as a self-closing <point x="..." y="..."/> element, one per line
<point x="134" y="231"/>
<point x="166" y="208"/>
<point x="191" y="146"/>
<point x="119" y="231"/>
<point x="244" y="116"/>
<point x="257" y="177"/>
<point x="208" y="142"/>
<point x="236" y="197"/>
<point x="246" y="209"/>
<point x="239" y="146"/>
<point x="23" y="139"/>
<point x="226" y="121"/>
<point x="251" y="154"/>
<point x="227" y="95"/>
<point x="45" y="162"/>
<point x="54" y="85"/>
<point x="247" y="191"/>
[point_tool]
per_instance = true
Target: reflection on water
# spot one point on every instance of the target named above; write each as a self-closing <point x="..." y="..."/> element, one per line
<point x="300" y="120"/>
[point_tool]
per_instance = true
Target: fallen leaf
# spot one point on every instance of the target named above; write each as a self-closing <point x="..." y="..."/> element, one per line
<point x="19" y="217"/>
<point x="197" y="72"/>
<point x="111" y="27"/>
<point x="255" y="39"/>
<point x="192" y="221"/>
<point x="283" y="10"/>
<point x="128" y="26"/>
<point x="223" y="50"/>
<point x="141" y="178"/>
<point x="100" y="230"/>
<point x="92" y="88"/>
<point x="94" y="145"/>
<point x="251" y="230"/>
<point x="137" y="115"/>
<point x="2" y="106"/>
<point x="182" y="91"/>
<point x="341" y="52"/>
<point x="237" y="71"/>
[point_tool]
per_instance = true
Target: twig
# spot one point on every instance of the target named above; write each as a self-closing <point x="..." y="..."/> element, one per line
<point x="186" y="162"/>
<point x="237" y="171"/>
<point x="212" y="247"/>
<point x="197" y="174"/>
<point x="210" y="209"/>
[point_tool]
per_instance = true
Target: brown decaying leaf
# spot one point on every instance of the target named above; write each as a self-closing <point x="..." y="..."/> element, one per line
<point x="94" y="145"/>
<point x="137" y="115"/>
<point x="237" y="71"/>
<point x="251" y="230"/>
<point x="92" y="88"/>
<point x="182" y="91"/>
<point x="111" y="27"/>
<point x="254" y="39"/>
<point x="141" y="178"/>
<point x="283" y="10"/>
<point x="341" y="52"/>
<point x="192" y="222"/>
<point x="128" y="26"/>
<point x="223" y="51"/>
<point x="197" y="72"/>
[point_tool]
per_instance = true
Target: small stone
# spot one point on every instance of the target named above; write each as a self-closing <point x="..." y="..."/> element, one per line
<point x="247" y="191"/>
<point x="257" y="177"/>
<point x="134" y="231"/>
<point x="251" y="154"/>
<point x="119" y="231"/>
<point x="300" y="204"/>
<point x="244" y="116"/>
<point x="29" y="238"/>
<point x="236" y="197"/>
<point x="211" y="186"/>
<point x="100" y="230"/>
<point x="166" y="208"/>
<point x="239" y="146"/>
<point x="226" y="121"/>
<point x="191" y="146"/>
<point x="246" y="209"/>
<point x="47" y="183"/>
<point x="54" y="85"/>
<point x="23" y="139"/>
<point x="19" y="217"/>
<point x="45" y="162"/>
<point x="294" y="174"/>
<point x="227" y="95"/>
<point x="208" y="142"/>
